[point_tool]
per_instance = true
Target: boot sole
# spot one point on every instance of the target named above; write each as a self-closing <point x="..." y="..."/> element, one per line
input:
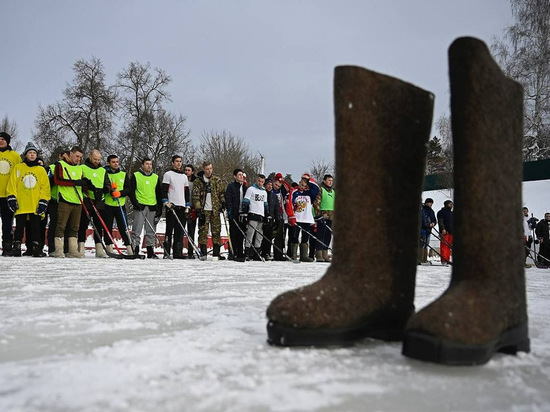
<point x="425" y="347"/>
<point x="388" y="330"/>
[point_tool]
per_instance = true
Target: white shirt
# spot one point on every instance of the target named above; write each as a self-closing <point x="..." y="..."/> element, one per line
<point x="258" y="198"/>
<point x="177" y="182"/>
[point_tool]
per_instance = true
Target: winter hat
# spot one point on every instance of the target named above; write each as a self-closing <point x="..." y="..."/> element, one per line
<point x="6" y="137"/>
<point x="279" y="177"/>
<point x="30" y="146"/>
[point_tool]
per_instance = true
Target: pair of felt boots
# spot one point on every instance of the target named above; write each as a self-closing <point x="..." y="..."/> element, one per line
<point x="382" y="130"/>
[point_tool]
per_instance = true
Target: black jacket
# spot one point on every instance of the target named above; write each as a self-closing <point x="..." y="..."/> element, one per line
<point x="233" y="198"/>
<point x="445" y="220"/>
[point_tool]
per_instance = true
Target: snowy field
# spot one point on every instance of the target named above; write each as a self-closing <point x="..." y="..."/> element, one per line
<point x="111" y="335"/>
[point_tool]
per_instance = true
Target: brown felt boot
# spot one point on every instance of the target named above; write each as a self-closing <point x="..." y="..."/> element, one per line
<point x="484" y="309"/>
<point x="382" y="128"/>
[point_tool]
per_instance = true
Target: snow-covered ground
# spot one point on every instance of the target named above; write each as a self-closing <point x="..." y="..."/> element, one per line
<point x="110" y="335"/>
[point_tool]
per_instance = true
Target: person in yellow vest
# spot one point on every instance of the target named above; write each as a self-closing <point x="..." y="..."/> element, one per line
<point x="116" y="189"/>
<point x="92" y="170"/>
<point x="68" y="177"/>
<point x="146" y="198"/>
<point x="28" y="193"/>
<point x="324" y="211"/>
<point x="8" y="159"/>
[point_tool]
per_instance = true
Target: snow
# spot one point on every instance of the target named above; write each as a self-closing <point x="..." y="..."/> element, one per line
<point x="103" y="334"/>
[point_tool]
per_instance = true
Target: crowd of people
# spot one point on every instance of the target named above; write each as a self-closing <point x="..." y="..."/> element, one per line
<point x="55" y="205"/>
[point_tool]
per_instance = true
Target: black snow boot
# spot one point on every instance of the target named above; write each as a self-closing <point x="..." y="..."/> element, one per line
<point x="216" y="252"/>
<point x="16" y="250"/>
<point x="178" y="251"/>
<point x="36" y="249"/>
<point x="151" y="253"/>
<point x="6" y="248"/>
<point x="167" y="246"/>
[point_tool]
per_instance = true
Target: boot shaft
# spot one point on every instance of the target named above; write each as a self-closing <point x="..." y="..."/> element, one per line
<point x="382" y="128"/>
<point x="487" y="125"/>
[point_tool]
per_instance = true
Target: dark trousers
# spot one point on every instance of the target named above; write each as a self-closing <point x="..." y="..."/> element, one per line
<point x="84" y="222"/>
<point x="237" y="238"/>
<point x="7" y="220"/>
<point x="324" y="233"/>
<point x="295" y="232"/>
<point x="172" y="225"/>
<point x="268" y="237"/>
<point x="28" y="221"/>
<point x="279" y="241"/>
<point x="191" y="227"/>
<point x="115" y="213"/>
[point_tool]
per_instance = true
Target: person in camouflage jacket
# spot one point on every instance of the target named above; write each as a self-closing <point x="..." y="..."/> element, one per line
<point x="208" y="202"/>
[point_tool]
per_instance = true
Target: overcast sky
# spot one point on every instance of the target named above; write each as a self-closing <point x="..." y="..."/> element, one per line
<point x="262" y="70"/>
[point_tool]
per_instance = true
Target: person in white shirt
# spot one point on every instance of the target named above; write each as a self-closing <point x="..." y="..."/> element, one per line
<point x="254" y="208"/>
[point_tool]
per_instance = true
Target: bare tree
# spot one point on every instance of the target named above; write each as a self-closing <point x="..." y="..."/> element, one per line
<point x="10" y="127"/>
<point x="227" y="152"/>
<point x="142" y="92"/>
<point x="318" y="168"/>
<point x="85" y="115"/>
<point x="524" y="54"/>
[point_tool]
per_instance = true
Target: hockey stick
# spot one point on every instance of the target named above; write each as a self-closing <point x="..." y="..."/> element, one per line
<point x="195" y="248"/>
<point x="245" y="238"/>
<point x="272" y="244"/>
<point x="156" y="236"/>
<point x="227" y="231"/>
<point x="316" y="238"/>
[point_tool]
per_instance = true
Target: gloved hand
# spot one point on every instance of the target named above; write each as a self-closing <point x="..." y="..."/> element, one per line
<point x="167" y="204"/>
<point x="115" y="194"/>
<point x="314" y="227"/>
<point x="78" y="182"/>
<point x="268" y="220"/>
<point x="292" y="220"/>
<point x="202" y="217"/>
<point x="87" y="183"/>
<point x="158" y="214"/>
<point x="12" y="203"/>
<point x="113" y="186"/>
<point x="229" y="215"/>
<point x="42" y="206"/>
<point x="243" y="217"/>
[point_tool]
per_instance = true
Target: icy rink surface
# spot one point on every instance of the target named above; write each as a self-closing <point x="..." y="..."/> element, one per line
<point x="110" y="335"/>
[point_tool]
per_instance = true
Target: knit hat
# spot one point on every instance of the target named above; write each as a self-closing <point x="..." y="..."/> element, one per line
<point x="30" y="146"/>
<point x="279" y="177"/>
<point x="6" y="137"/>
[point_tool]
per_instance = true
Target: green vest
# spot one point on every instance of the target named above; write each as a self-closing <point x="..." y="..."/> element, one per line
<point x="119" y="178"/>
<point x="67" y="192"/>
<point x="327" y="200"/>
<point x="97" y="177"/>
<point x="145" y="188"/>
<point x="54" y="189"/>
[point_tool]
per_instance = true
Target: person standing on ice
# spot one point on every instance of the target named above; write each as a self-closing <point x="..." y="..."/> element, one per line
<point x="116" y="187"/>
<point x="283" y="190"/>
<point x="69" y="179"/>
<point x="8" y="159"/>
<point x="209" y="202"/>
<point x="28" y="193"/>
<point x="146" y="198"/>
<point x="529" y="224"/>
<point x="428" y="222"/>
<point x="234" y="195"/>
<point x="543" y="235"/>
<point x="324" y="211"/>
<point x="445" y="221"/>
<point x="254" y="209"/>
<point x="302" y="201"/>
<point x="191" y="216"/>
<point x="92" y="170"/>
<point x="272" y="220"/>
<point x="176" y="199"/>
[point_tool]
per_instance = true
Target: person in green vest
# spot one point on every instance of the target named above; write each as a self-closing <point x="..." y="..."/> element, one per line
<point x="145" y="195"/>
<point x="92" y="170"/>
<point x="324" y="210"/>
<point x="8" y="159"/>
<point x="69" y="179"/>
<point x="116" y="188"/>
<point x="53" y="204"/>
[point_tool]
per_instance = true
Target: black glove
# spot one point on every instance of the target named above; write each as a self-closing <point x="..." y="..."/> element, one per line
<point x="87" y="183"/>
<point x="98" y="194"/>
<point x="243" y="217"/>
<point x="202" y="217"/>
<point x="222" y="207"/>
<point x="158" y="214"/>
<point x="78" y="182"/>
<point x="12" y="203"/>
<point x="268" y="220"/>
<point x="42" y="206"/>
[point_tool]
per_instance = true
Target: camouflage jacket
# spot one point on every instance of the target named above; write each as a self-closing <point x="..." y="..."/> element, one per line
<point x="217" y="188"/>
